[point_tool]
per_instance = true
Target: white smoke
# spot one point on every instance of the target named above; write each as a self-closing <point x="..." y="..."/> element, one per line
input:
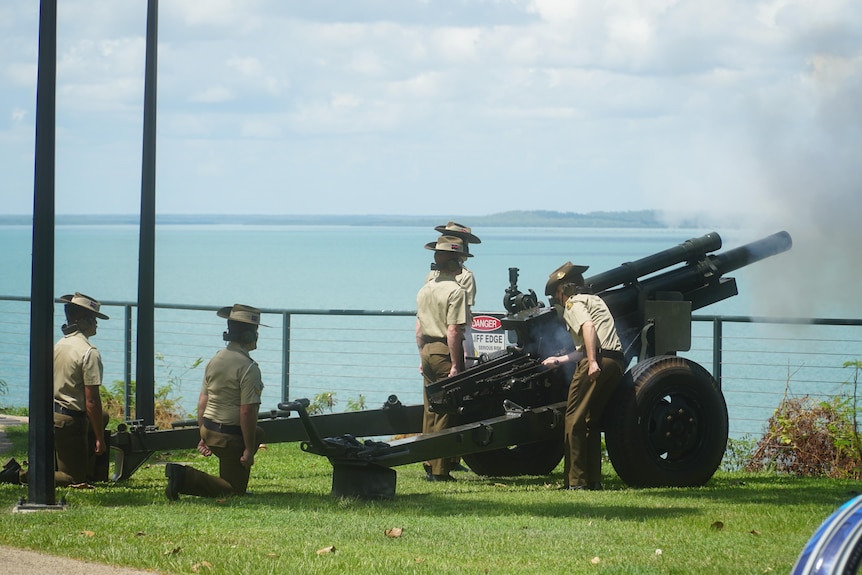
<point x="798" y="168"/>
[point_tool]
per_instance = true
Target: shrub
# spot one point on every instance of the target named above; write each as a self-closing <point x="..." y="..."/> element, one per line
<point x="737" y="455"/>
<point x="813" y="439"/>
<point x="166" y="409"/>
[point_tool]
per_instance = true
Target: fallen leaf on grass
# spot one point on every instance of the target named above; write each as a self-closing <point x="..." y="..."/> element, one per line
<point x="595" y="560"/>
<point x="88" y="533"/>
<point x="272" y="555"/>
<point x="202" y="565"/>
<point x="658" y="552"/>
<point x="419" y="560"/>
<point x="174" y="551"/>
<point x="325" y="550"/>
<point x="755" y="532"/>
<point x="221" y="500"/>
<point x="717" y="526"/>
<point x="394" y="532"/>
<point x="500" y="485"/>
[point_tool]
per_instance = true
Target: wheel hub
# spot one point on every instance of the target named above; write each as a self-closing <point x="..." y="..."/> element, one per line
<point x="674" y="427"/>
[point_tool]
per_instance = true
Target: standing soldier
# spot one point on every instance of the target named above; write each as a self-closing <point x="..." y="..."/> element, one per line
<point x="227" y="413"/>
<point x="467" y="281"/>
<point x="599" y="369"/>
<point x="441" y="318"/>
<point x="79" y="422"/>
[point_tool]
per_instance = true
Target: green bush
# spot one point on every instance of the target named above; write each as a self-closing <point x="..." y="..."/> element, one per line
<point x="813" y="438"/>
<point x="166" y="408"/>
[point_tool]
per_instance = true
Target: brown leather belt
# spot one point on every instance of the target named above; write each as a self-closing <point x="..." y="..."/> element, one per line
<point x="222" y="427"/>
<point x="70" y="412"/>
<point x="613" y="354"/>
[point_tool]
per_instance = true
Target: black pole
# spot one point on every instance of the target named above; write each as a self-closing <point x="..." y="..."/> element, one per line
<point x="41" y="434"/>
<point x="145" y="373"/>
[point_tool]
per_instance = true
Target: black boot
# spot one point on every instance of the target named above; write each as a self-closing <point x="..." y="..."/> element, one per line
<point x="176" y="475"/>
<point x="11" y="472"/>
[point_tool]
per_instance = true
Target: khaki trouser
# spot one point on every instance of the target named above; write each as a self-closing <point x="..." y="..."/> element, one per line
<point x="74" y="452"/>
<point x="233" y="475"/>
<point x="436" y="365"/>
<point x="583" y="437"/>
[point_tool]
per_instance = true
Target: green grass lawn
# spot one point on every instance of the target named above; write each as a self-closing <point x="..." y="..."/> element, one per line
<point x="738" y="523"/>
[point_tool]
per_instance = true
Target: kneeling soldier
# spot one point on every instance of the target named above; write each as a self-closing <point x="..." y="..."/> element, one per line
<point x="227" y="413"/>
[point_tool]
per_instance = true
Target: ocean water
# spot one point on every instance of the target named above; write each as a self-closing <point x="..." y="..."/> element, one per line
<point x="329" y="268"/>
<point x="314" y="267"/>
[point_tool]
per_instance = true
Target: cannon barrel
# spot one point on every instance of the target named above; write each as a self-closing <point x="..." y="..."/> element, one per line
<point x="629" y="272"/>
<point x="698" y="281"/>
<point x="750" y="253"/>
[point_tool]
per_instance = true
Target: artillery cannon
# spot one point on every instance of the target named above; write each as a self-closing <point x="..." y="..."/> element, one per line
<point x="667" y="424"/>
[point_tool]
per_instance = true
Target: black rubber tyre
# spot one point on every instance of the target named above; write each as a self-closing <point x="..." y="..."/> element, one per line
<point x="539" y="458"/>
<point x="666" y="425"/>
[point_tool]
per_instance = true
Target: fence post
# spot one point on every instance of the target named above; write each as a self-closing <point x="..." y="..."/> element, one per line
<point x="716" y="349"/>
<point x="285" y="356"/>
<point x="127" y="362"/>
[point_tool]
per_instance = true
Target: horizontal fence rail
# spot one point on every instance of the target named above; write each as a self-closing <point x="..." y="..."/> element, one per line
<point x="358" y="358"/>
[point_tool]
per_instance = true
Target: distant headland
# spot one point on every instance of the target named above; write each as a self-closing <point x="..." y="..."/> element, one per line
<point x="520" y="218"/>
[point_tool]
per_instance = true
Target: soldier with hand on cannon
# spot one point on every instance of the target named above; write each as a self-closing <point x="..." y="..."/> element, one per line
<point x="228" y="406"/>
<point x="441" y="318"/>
<point x="79" y="422"/>
<point x="598" y="372"/>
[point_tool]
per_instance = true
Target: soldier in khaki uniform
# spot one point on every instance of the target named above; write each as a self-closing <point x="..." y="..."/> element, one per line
<point x="467" y="281"/>
<point x="441" y="318"/>
<point x="227" y="413"/>
<point x="79" y="422"/>
<point x="600" y="367"/>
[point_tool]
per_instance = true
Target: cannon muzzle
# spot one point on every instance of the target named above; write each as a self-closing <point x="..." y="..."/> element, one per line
<point x="742" y="256"/>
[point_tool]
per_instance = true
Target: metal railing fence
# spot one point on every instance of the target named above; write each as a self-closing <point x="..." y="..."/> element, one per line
<point x="361" y="357"/>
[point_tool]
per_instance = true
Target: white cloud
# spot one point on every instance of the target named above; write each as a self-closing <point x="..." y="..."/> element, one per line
<point x="713" y="107"/>
<point x="212" y="94"/>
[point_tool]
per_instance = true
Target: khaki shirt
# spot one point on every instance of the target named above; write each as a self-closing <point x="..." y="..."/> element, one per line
<point x="465" y="279"/>
<point x="76" y="363"/>
<point x="583" y="307"/>
<point x="231" y="379"/>
<point x="440" y="303"/>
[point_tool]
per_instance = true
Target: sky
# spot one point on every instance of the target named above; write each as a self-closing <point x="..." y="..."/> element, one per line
<point x="737" y="112"/>
<point x="436" y="106"/>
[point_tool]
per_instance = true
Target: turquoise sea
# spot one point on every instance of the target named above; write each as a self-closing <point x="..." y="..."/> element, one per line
<point x="355" y="267"/>
<point x="317" y="267"/>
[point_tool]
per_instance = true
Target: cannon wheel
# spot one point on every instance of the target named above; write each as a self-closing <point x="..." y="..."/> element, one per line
<point x="667" y="424"/>
<point x="538" y="458"/>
